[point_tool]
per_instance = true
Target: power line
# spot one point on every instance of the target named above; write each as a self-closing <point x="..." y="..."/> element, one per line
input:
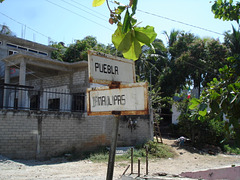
<point x="206" y="70"/>
<point x="176" y="21"/>
<point x="79" y="15"/>
<point x="84" y="10"/>
<point x="25" y="25"/>
<point x="180" y="22"/>
<point x="90" y="9"/>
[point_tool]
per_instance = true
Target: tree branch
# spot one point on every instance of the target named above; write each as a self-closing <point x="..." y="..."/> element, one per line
<point x="109" y="7"/>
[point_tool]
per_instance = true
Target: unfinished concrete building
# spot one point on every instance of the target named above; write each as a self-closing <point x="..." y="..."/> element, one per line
<point x="43" y="105"/>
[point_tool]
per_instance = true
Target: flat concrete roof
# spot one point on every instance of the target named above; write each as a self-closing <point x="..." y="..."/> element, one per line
<point x="43" y="62"/>
<point x="24" y="42"/>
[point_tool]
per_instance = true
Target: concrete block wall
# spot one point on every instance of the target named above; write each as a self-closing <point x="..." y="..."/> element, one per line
<point x="74" y="82"/>
<point x="17" y="134"/>
<point x="80" y="77"/>
<point x="30" y="135"/>
<point x="66" y="132"/>
<point x="136" y="134"/>
<point x="56" y="81"/>
<point x="77" y="79"/>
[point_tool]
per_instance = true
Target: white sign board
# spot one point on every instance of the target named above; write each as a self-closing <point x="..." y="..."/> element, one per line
<point x="104" y="69"/>
<point x="130" y="99"/>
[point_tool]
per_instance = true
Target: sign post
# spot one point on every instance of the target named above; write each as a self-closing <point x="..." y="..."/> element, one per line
<point x="122" y="96"/>
<point x="112" y="152"/>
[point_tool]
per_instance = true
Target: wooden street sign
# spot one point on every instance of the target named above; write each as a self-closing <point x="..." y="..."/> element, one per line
<point x="105" y="69"/>
<point x="119" y="97"/>
<point x="130" y="99"/>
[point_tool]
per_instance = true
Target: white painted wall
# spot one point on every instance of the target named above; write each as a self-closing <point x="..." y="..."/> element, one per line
<point x="175" y="114"/>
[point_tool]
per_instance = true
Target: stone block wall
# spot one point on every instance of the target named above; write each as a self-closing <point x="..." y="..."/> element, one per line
<point x="30" y="135"/>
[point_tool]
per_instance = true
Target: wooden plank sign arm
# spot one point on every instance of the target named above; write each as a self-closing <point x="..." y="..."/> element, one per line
<point x="130" y="99"/>
<point x="105" y="69"/>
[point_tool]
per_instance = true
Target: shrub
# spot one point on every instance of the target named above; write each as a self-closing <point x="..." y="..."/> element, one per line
<point x="231" y="149"/>
<point x="199" y="129"/>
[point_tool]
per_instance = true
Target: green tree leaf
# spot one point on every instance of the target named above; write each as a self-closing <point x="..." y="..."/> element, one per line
<point x="121" y="41"/>
<point x="120" y="9"/>
<point x="145" y="35"/>
<point x="194" y="103"/>
<point x="126" y="23"/>
<point x="226" y="10"/>
<point x="127" y="38"/>
<point x="134" y="51"/>
<point x="126" y="43"/>
<point x="203" y="107"/>
<point x="134" y="7"/>
<point x="97" y="3"/>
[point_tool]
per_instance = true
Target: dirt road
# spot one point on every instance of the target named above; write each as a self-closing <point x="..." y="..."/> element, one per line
<point x="56" y="169"/>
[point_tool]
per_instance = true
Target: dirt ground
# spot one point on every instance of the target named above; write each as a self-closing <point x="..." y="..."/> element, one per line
<point x="59" y="168"/>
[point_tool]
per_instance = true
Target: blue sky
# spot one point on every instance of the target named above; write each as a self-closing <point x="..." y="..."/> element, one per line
<point x="68" y="20"/>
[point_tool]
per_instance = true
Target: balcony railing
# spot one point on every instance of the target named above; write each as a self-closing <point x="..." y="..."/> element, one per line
<point x="51" y="99"/>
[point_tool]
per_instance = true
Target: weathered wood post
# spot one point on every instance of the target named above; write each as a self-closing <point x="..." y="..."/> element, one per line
<point x="112" y="151"/>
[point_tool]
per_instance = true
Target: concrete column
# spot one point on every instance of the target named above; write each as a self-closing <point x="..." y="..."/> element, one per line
<point x="7" y="74"/>
<point x="22" y="81"/>
<point x="87" y="83"/>
<point x="6" y="91"/>
<point x="22" y="73"/>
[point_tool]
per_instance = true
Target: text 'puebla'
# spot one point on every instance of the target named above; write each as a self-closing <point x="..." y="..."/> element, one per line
<point x="106" y="68"/>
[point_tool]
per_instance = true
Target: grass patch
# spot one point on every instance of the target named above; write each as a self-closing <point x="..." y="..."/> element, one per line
<point x="99" y="157"/>
<point x="156" y="150"/>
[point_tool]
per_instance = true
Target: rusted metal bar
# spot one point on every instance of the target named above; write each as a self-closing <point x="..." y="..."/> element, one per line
<point x="114" y="85"/>
<point x="126" y="170"/>
<point x="139" y="163"/>
<point x="16" y="85"/>
<point x="146" y="160"/>
<point x="118" y="113"/>
<point x="131" y="160"/>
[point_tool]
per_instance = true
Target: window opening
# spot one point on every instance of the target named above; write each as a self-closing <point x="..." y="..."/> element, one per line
<point x="78" y="102"/>
<point x="1" y="96"/>
<point x="43" y="53"/>
<point x="10" y="52"/>
<point x="15" y="103"/>
<point x="12" y="45"/>
<point x="22" y="48"/>
<point x="54" y="104"/>
<point x="32" y="50"/>
<point x="35" y="102"/>
<point x="25" y="49"/>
